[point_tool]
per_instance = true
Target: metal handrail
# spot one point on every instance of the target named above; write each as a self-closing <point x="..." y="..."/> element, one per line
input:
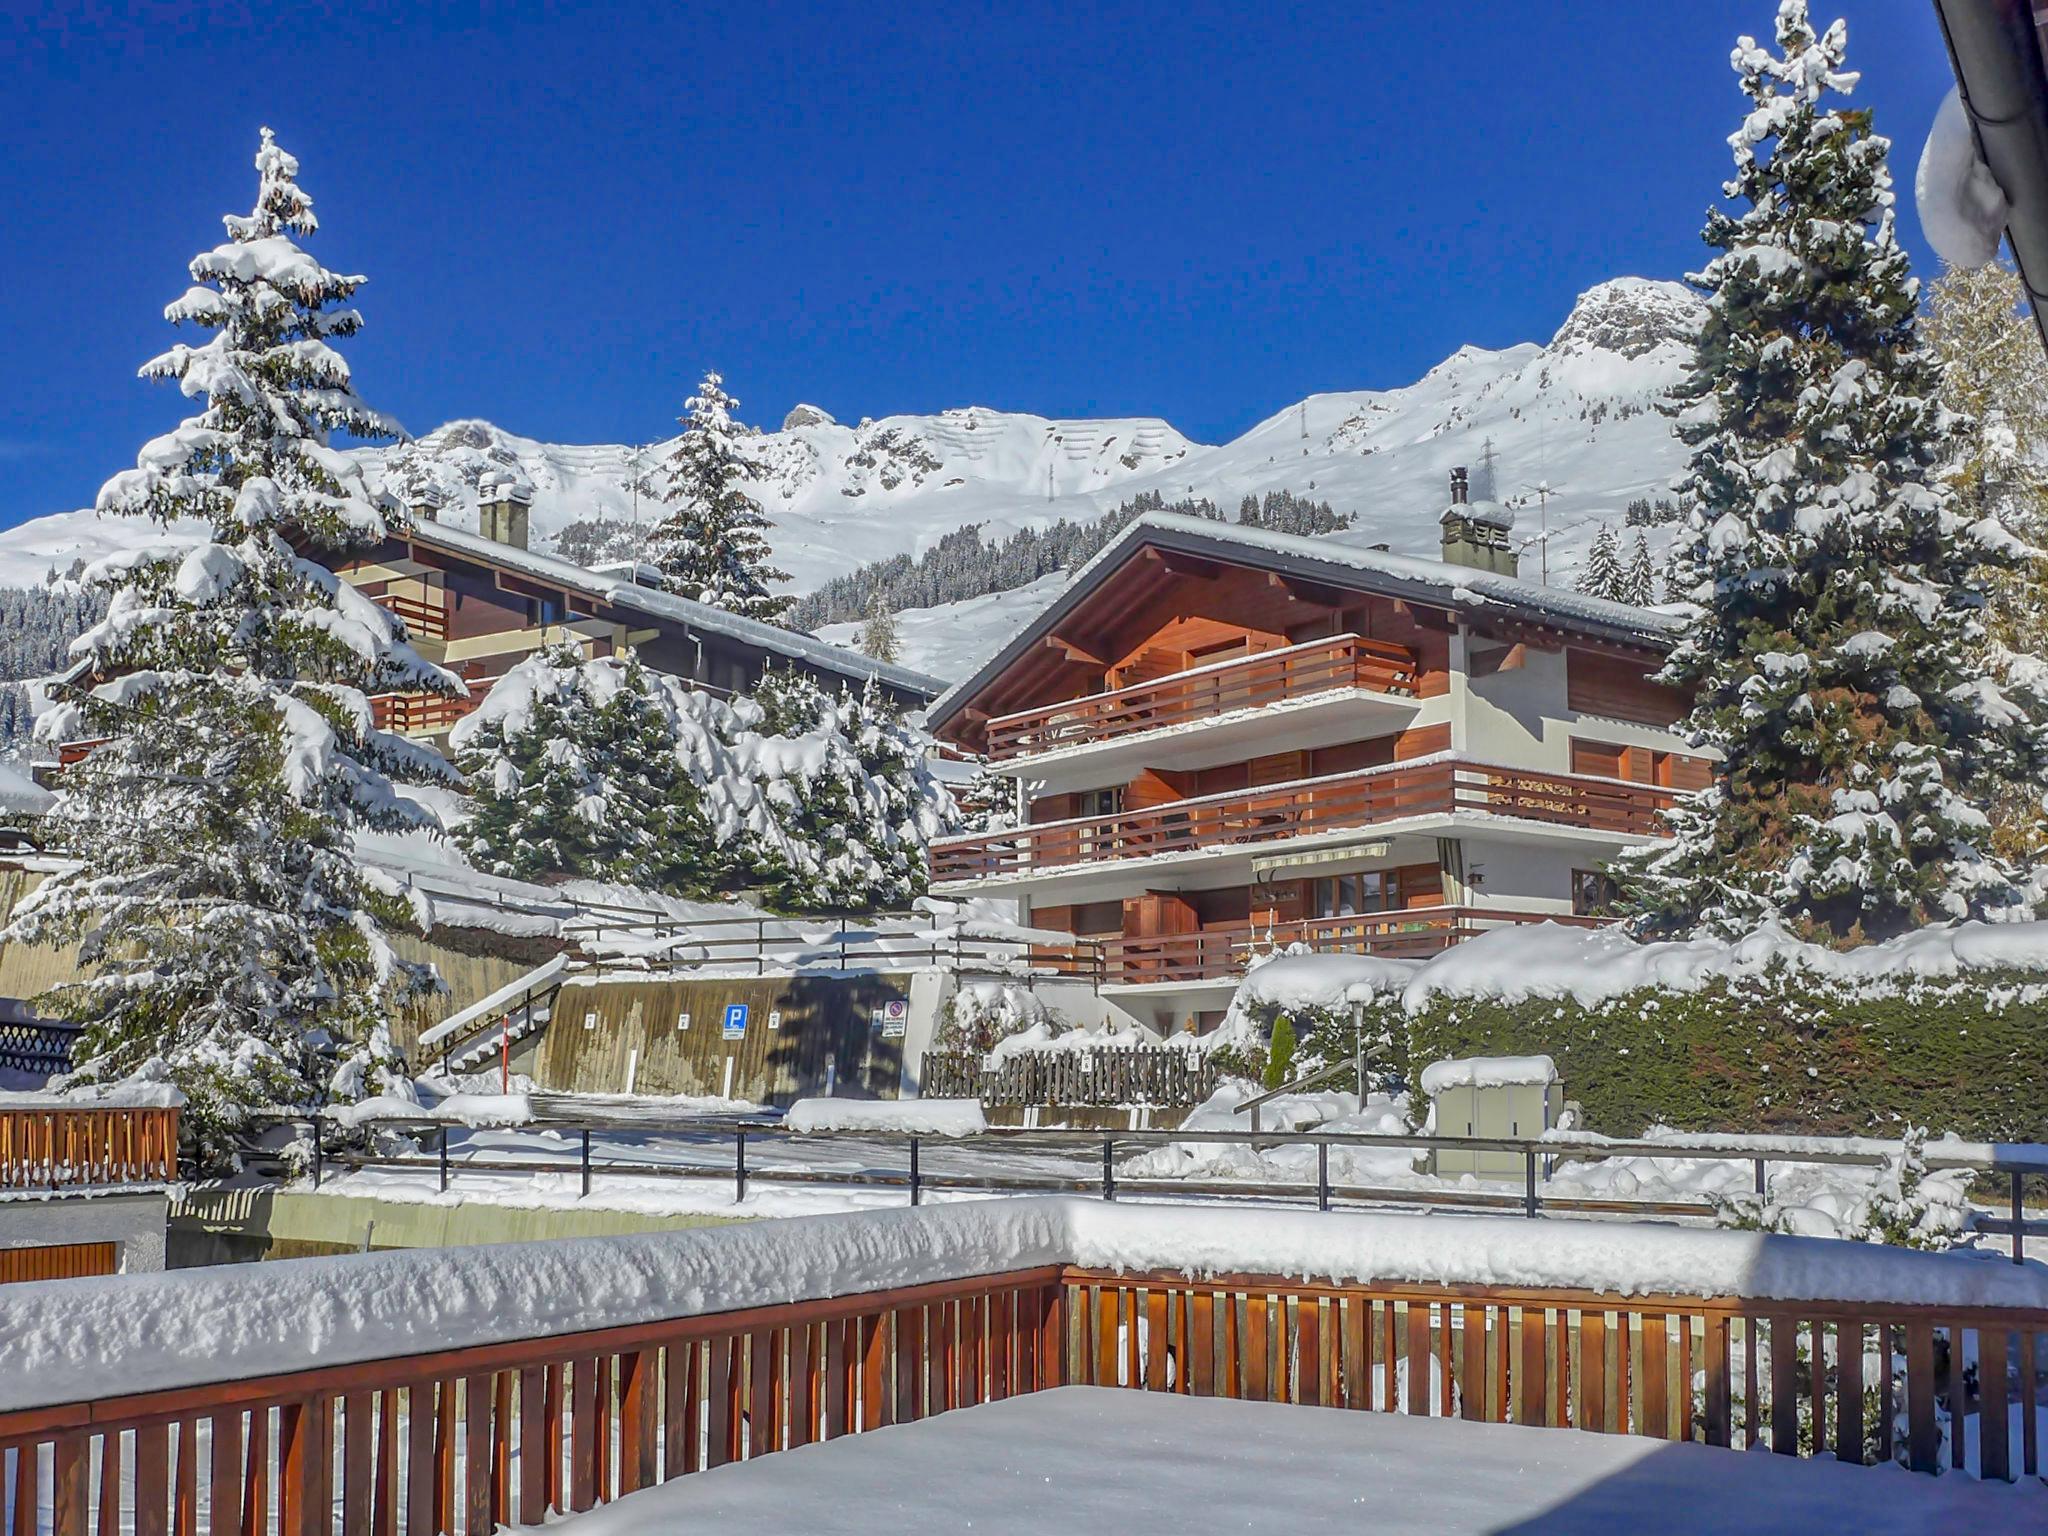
<point x="2016" y="1161"/>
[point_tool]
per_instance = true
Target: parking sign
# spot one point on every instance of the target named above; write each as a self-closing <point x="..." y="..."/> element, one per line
<point x="735" y="1021"/>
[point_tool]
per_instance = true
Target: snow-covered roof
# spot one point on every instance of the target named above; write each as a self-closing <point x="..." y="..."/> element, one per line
<point x="21" y="795"/>
<point x="1320" y="557"/>
<point x="670" y="609"/>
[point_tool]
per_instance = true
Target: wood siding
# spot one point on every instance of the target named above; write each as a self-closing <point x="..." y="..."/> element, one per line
<point x="60" y="1261"/>
<point x="1618" y="689"/>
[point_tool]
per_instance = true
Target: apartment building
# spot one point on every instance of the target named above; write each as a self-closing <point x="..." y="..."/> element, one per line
<point x="480" y="603"/>
<point x="1226" y="738"/>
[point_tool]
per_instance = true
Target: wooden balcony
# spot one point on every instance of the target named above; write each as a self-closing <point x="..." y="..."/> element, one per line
<point x="1300" y="671"/>
<point x="1306" y="808"/>
<point x="1224" y="951"/>
<point x="424" y="714"/>
<point x="62" y="1148"/>
<point x="424" y="620"/>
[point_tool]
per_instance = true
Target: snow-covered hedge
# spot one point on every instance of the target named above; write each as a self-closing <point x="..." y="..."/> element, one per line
<point x="123" y="1334"/>
<point x="603" y="768"/>
<point x="1945" y="1027"/>
<point x="916" y="1117"/>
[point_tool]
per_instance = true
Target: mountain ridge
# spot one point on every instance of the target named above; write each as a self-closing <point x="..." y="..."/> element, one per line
<point x="1577" y="414"/>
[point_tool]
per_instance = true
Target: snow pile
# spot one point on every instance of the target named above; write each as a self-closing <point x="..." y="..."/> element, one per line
<point x="912" y="1117"/>
<point x="139" y="1092"/>
<point x="1338" y="1113"/>
<point x="124" y="1334"/>
<point x="1487" y="1072"/>
<point x="471" y="1109"/>
<point x="1043" y="1037"/>
<point x="1593" y="966"/>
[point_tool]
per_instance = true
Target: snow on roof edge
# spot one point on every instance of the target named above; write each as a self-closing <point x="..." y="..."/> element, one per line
<point x="626" y="594"/>
<point x="1455" y="585"/>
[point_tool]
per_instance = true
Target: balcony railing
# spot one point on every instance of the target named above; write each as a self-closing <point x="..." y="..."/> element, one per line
<point x="61" y="1147"/>
<point x="416" y="714"/>
<point x="1305" y="808"/>
<point x="636" y="1361"/>
<point x="1321" y="666"/>
<point x="1225" y="950"/>
<point x="424" y="620"/>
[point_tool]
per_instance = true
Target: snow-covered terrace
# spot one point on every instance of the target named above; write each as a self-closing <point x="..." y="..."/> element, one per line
<point x="461" y="1389"/>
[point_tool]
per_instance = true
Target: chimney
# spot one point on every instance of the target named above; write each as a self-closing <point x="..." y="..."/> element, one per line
<point x="425" y="505"/>
<point x="502" y="507"/>
<point x="1475" y="533"/>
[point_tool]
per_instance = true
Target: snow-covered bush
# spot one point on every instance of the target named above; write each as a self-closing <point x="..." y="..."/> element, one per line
<point x="981" y="1013"/>
<point x="1758" y="1033"/>
<point x="814" y="801"/>
<point x="1904" y="1205"/>
<point x="222" y="921"/>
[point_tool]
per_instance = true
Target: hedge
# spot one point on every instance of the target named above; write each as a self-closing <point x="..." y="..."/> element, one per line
<point x="1769" y="1054"/>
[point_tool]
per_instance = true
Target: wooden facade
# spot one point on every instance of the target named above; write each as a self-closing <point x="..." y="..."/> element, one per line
<point x="1196" y="712"/>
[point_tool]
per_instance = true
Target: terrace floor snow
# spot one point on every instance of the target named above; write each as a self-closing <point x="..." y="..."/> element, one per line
<point x="1089" y="1459"/>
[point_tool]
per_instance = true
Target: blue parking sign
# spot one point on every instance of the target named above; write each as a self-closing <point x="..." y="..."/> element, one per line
<point x="735" y="1021"/>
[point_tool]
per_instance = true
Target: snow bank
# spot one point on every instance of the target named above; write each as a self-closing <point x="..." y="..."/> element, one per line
<point x="142" y="1091"/>
<point x="122" y="1334"/>
<point x="472" y="1109"/>
<point x="1593" y="966"/>
<point x="919" y="1117"/>
<point x="1487" y="1072"/>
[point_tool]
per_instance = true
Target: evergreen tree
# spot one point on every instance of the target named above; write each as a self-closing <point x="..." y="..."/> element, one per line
<point x="221" y="919"/>
<point x="1995" y="380"/>
<point x="1638" y="513"/>
<point x="1834" y="661"/>
<point x="1639" y="577"/>
<point x="574" y="774"/>
<point x="713" y="546"/>
<point x="1602" y="576"/>
<point x="879" y="638"/>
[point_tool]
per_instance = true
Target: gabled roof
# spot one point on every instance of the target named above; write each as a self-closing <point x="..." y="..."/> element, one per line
<point x="1473" y="593"/>
<point x="669" y="610"/>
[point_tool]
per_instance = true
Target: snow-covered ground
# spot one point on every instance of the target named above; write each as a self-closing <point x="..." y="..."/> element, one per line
<point x="1099" y="1459"/>
<point x="1574" y="413"/>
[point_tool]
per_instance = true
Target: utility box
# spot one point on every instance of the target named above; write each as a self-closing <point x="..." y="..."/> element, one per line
<point x="1494" y="1096"/>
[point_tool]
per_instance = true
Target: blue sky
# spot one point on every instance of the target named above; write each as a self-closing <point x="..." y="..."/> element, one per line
<point x="567" y="212"/>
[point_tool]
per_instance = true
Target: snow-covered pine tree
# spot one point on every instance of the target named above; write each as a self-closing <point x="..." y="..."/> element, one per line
<point x="1994" y="378"/>
<point x="1834" y="660"/>
<point x="222" y="921"/>
<point x="574" y="774"/>
<point x="878" y="637"/>
<point x="712" y="547"/>
<point x="1602" y="576"/>
<point x="853" y="796"/>
<point x="1639" y="577"/>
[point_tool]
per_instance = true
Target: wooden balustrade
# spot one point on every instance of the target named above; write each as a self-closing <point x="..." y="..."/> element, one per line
<point x="1344" y="662"/>
<point x="417" y="713"/>
<point x="424" y="619"/>
<point x="1305" y="808"/>
<point x="467" y="1440"/>
<point x="63" y="1148"/>
<point x="1577" y="1359"/>
<point x="1225" y="950"/>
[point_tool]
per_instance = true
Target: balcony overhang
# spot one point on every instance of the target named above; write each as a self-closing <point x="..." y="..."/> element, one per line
<point x="1410" y="839"/>
<point x="1332" y="718"/>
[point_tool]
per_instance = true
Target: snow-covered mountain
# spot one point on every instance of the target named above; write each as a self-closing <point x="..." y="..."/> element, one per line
<point x="1577" y="413"/>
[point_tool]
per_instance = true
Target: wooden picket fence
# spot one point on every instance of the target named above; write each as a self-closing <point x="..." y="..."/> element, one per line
<point x="1107" y="1079"/>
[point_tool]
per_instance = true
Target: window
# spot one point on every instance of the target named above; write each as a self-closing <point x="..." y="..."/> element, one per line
<point x="1372" y="890"/>
<point x="1100" y="802"/>
<point x="1593" y="893"/>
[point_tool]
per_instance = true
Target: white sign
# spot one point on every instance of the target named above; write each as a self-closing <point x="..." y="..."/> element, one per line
<point x="774" y="1020"/>
<point x="895" y="1018"/>
<point x="682" y="1021"/>
<point x="590" y="1021"/>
